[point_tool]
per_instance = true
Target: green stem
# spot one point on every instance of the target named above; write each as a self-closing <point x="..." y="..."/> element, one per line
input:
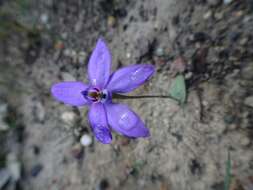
<point x="119" y="96"/>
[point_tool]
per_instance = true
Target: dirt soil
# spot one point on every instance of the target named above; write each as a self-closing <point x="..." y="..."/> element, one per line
<point x="209" y="41"/>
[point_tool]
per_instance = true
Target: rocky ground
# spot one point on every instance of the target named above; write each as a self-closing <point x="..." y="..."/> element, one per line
<point x="209" y="41"/>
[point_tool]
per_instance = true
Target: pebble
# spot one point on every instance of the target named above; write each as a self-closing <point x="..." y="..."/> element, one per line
<point x="3" y="113"/>
<point x="128" y="55"/>
<point x="214" y="2"/>
<point x="78" y="26"/>
<point x="14" y="166"/>
<point x="64" y="35"/>
<point x="249" y="101"/>
<point x="219" y="15"/>
<point x="74" y="56"/>
<point x="40" y="111"/>
<point x="44" y="18"/>
<point x="207" y="15"/>
<point x="205" y="103"/>
<point x="159" y="52"/>
<point x="233" y="126"/>
<point x="86" y="140"/>
<point x="82" y="57"/>
<point x="67" y="52"/>
<point x="188" y="75"/>
<point x="243" y="41"/>
<point x="246" y="72"/>
<point x="111" y="21"/>
<point x="67" y="76"/>
<point x="36" y="170"/>
<point x="245" y="141"/>
<point x="4" y="177"/>
<point x="227" y="1"/>
<point x="229" y="119"/>
<point x="69" y="117"/>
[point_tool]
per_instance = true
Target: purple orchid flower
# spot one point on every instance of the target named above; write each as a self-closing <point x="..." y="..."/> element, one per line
<point x="104" y="114"/>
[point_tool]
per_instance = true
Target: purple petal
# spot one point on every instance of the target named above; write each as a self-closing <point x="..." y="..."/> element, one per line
<point x="99" y="65"/>
<point x="70" y="93"/>
<point x="99" y="124"/>
<point x="125" y="121"/>
<point x="129" y="78"/>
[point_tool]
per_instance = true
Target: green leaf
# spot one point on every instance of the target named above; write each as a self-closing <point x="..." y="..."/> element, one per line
<point x="227" y="180"/>
<point x="178" y="89"/>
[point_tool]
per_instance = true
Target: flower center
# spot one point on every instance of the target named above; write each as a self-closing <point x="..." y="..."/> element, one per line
<point x="96" y="95"/>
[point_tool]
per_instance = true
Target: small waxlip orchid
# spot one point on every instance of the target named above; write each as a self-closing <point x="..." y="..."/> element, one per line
<point x="105" y="115"/>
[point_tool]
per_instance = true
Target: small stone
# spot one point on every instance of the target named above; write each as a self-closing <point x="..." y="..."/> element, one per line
<point x="214" y="2"/>
<point x="245" y="141"/>
<point x="229" y="119"/>
<point x="142" y="182"/>
<point x="67" y="52"/>
<point x="227" y="1"/>
<point x="14" y="166"/>
<point x="67" y="76"/>
<point x="218" y="15"/>
<point x="74" y="56"/>
<point x="247" y="72"/>
<point x="111" y="21"/>
<point x="243" y="41"/>
<point x="159" y="52"/>
<point x="4" y="177"/>
<point x="86" y="140"/>
<point x="40" y="112"/>
<point x="36" y="170"/>
<point x="69" y="118"/>
<point x="64" y="35"/>
<point x="128" y="55"/>
<point x="207" y="15"/>
<point x="233" y="126"/>
<point x="3" y="109"/>
<point x="188" y="75"/>
<point x="78" y="26"/>
<point x="44" y="18"/>
<point x="82" y="57"/>
<point x="3" y="113"/>
<point x="249" y="101"/>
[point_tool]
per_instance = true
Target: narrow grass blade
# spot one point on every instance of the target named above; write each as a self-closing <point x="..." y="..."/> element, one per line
<point x="228" y="177"/>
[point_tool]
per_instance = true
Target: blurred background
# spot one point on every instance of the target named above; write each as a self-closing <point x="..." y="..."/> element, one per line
<point x="208" y="42"/>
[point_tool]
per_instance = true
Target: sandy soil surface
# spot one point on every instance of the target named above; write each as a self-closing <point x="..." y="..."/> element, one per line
<point x="209" y="41"/>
